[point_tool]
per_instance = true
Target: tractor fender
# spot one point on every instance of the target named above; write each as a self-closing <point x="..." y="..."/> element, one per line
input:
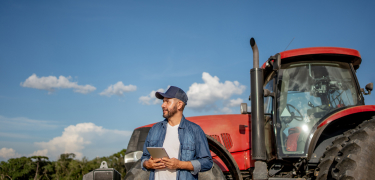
<point x="225" y="156"/>
<point x="325" y="132"/>
<point x="347" y="112"/>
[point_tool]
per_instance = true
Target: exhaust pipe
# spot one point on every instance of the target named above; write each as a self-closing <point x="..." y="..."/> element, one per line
<point x="257" y="107"/>
<point x="255" y="53"/>
<point x="258" y="147"/>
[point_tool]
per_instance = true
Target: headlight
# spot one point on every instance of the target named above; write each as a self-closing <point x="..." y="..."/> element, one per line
<point x="133" y="156"/>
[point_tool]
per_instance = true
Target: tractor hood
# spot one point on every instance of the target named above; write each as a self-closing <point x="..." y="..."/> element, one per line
<point x="230" y="130"/>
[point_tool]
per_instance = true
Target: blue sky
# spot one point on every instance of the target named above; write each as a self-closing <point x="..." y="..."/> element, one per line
<point x="74" y="74"/>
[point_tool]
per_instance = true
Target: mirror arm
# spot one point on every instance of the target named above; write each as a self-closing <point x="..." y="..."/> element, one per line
<point x="267" y="93"/>
<point x="364" y="93"/>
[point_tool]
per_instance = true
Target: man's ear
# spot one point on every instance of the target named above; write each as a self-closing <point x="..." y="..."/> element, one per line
<point x="180" y="104"/>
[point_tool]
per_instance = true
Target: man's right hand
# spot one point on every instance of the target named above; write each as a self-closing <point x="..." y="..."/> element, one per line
<point x="154" y="164"/>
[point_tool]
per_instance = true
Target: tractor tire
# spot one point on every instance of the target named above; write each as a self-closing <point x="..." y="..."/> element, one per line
<point x="214" y="173"/>
<point x="226" y="157"/>
<point x="136" y="173"/>
<point x="351" y="155"/>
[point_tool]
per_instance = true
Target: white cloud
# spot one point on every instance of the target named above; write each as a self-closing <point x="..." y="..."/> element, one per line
<point x="118" y="89"/>
<point x="7" y="153"/>
<point x="75" y="138"/>
<point x="150" y="98"/>
<point x="235" y="102"/>
<point x="205" y="96"/>
<point x="229" y="104"/>
<point x="51" y="83"/>
<point x="43" y="152"/>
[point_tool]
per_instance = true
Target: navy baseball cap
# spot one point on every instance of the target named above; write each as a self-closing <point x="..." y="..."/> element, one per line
<point x="173" y="92"/>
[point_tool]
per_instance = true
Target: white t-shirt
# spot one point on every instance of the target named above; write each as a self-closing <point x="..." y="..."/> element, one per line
<point x="172" y="146"/>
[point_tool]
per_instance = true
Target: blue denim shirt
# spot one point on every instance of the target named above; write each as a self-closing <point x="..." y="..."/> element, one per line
<point x="193" y="147"/>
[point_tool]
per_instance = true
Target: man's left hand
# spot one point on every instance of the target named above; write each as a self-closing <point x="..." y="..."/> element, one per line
<point x="171" y="163"/>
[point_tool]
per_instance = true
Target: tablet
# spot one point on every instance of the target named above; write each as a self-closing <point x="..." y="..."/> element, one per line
<point x="157" y="152"/>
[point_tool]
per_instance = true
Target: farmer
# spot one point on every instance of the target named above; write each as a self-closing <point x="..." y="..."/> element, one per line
<point x="184" y="141"/>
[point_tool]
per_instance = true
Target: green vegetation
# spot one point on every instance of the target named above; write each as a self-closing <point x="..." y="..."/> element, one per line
<point x="65" y="168"/>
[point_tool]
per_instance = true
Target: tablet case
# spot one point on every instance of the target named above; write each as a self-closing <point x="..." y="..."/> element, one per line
<point x="157" y="152"/>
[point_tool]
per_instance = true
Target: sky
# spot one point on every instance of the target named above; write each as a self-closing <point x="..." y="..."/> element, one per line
<point x="79" y="76"/>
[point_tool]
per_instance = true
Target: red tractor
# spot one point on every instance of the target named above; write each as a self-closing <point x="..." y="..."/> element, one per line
<point x="308" y="120"/>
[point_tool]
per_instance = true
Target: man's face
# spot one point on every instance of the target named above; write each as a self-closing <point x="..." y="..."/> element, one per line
<point x="169" y="107"/>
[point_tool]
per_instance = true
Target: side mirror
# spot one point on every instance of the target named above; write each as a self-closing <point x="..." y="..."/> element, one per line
<point x="277" y="62"/>
<point x="369" y="88"/>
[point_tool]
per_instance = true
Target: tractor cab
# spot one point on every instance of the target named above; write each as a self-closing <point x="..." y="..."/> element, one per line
<point x="309" y="91"/>
<point x="309" y="87"/>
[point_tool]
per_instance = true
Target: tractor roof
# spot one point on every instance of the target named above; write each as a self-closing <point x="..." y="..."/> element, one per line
<point x="321" y="53"/>
<point x="316" y="54"/>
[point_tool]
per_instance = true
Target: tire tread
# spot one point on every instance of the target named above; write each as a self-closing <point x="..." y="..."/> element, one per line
<point x="350" y="155"/>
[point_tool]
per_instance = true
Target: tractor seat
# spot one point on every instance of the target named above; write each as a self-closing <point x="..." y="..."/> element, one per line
<point x="292" y="139"/>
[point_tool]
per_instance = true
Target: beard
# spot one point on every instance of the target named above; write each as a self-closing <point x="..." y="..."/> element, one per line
<point x="171" y="112"/>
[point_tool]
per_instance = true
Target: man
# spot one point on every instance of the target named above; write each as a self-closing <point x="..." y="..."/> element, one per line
<point x="185" y="142"/>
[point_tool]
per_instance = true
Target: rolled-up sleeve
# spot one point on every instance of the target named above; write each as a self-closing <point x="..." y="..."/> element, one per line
<point x="203" y="160"/>
<point x="143" y="161"/>
<point x="197" y="167"/>
<point x="146" y="155"/>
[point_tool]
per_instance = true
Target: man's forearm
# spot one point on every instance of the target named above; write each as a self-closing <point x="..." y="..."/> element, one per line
<point x="185" y="165"/>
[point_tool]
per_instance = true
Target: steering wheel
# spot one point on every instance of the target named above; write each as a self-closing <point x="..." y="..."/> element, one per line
<point x="293" y="116"/>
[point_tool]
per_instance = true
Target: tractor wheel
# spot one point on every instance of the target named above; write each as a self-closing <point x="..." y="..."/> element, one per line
<point x="136" y="173"/>
<point x="351" y="155"/>
<point x="225" y="156"/>
<point x="214" y="173"/>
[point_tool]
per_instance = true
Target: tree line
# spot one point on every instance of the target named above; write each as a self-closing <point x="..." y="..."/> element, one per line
<point x="65" y="168"/>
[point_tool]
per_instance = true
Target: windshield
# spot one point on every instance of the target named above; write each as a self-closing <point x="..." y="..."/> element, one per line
<point x="308" y="91"/>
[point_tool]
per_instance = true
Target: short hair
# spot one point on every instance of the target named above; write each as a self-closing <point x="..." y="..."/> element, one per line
<point x="183" y="106"/>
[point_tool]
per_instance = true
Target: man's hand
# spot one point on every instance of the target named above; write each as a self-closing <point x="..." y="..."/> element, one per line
<point x="177" y="164"/>
<point x="171" y="163"/>
<point x="154" y="164"/>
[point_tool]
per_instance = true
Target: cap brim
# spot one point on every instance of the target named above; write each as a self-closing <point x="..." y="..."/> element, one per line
<point x="160" y="95"/>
